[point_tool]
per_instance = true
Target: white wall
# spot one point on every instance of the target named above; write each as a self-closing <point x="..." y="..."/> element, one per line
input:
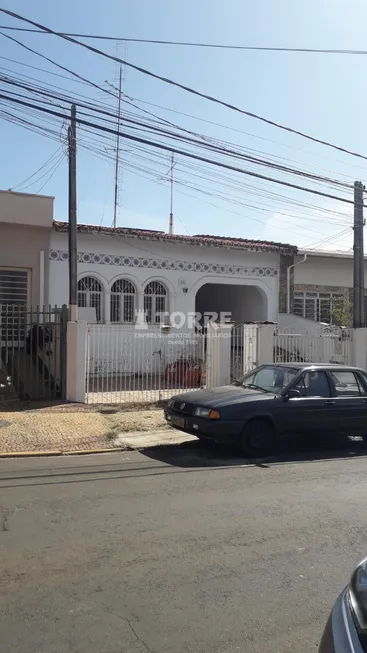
<point x="24" y="209"/>
<point x="295" y="324"/>
<point x="326" y="271"/>
<point x="172" y="263"/>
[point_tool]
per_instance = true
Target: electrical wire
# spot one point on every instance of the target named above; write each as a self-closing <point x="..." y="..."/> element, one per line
<point x="54" y="63"/>
<point x="330" y="239"/>
<point x="21" y="183"/>
<point x="183" y="87"/>
<point x="256" y="208"/>
<point x="35" y="111"/>
<point x="175" y="150"/>
<point x="209" y="142"/>
<point x="134" y="101"/>
<point x="221" y="46"/>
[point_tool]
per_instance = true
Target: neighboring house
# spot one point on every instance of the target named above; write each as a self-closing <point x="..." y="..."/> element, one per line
<point x="323" y="286"/>
<point x="25" y="227"/>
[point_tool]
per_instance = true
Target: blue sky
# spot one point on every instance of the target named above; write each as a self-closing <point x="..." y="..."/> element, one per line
<point x="323" y="95"/>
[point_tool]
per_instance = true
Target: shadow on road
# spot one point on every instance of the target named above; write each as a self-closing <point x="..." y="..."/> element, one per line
<point x="191" y="457"/>
<point x="211" y="454"/>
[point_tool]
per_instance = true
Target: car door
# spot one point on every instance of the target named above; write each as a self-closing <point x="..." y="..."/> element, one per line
<point x="311" y="412"/>
<point x="350" y="410"/>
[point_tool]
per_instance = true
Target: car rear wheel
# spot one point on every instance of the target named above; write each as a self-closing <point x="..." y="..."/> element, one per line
<point x="257" y="438"/>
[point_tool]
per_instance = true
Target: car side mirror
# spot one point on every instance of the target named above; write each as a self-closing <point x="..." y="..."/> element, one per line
<point x="293" y="394"/>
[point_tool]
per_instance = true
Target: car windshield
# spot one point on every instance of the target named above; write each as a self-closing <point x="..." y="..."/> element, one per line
<point x="269" y="378"/>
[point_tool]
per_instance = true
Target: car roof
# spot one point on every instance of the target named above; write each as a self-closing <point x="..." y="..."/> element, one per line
<point x="315" y="366"/>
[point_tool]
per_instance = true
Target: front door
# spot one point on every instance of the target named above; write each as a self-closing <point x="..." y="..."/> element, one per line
<point x="311" y="413"/>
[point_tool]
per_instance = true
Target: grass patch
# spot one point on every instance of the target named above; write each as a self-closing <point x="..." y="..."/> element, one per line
<point x="134" y="420"/>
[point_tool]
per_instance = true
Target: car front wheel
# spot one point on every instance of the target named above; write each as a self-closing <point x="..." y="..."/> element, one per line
<point x="257" y="438"/>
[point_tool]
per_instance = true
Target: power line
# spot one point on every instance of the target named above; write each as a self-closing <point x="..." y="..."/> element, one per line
<point x="206" y="142"/>
<point x="169" y="148"/>
<point x="220" y="176"/>
<point x="192" y="44"/>
<point x="188" y="89"/>
<point x="239" y="131"/>
<point x="133" y="102"/>
<point x="24" y="181"/>
<point x="52" y="172"/>
<point x="54" y="63"/>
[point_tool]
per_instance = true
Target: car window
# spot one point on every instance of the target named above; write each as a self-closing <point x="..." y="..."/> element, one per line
<point x="346" y="384"/>
<point x="364" y="378"/>
<point x="313" y="384"/>
<point x="271" y="377"/>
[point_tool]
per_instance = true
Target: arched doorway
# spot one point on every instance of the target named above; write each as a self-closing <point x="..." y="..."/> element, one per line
<point x="244" y="303"/>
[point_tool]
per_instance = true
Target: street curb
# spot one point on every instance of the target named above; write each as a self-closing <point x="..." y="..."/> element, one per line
<point x="83" y="452"/>
<point x="45" y="454"/>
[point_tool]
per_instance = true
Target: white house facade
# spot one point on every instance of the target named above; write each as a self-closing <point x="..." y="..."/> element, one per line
<point x="124" y="273"/>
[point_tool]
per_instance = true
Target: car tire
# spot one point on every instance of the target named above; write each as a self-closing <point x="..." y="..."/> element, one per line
<point x="258" y="438"/>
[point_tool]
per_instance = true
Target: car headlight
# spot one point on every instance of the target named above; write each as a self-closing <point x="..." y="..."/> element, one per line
<point x="208" y="413"/>
<point x="358" y="595"/>
<point x="170" y="403"/>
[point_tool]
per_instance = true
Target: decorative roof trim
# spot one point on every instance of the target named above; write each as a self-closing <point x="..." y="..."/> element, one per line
<point x="199" y="241"/>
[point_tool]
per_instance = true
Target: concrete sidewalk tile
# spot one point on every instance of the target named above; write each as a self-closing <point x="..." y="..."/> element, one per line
<point x="50" y="433"/>
<point x="139" y="440"/>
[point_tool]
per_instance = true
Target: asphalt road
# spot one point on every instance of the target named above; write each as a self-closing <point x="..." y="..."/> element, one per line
<point x="176" y="550"/>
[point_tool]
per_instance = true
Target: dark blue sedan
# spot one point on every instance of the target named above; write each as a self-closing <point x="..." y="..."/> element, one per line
<point x="274" y="401"/>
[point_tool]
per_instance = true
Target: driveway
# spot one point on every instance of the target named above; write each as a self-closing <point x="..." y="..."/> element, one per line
<point x="176" y="550"/>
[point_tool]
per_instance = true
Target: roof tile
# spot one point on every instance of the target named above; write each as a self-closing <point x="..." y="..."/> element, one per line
<point x="198" y="240"/>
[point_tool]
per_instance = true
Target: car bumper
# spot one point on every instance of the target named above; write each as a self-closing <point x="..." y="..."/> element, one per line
<point x="216" y="430"/>
<point x="340" y="634"/>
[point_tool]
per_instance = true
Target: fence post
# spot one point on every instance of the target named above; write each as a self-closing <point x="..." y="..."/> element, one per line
<point x="265" y="344"/>
<point x="76" y="361"/>
<point x="359" y="348"/>
<point x="250" y="347"/>
<point x="63" y="349"/>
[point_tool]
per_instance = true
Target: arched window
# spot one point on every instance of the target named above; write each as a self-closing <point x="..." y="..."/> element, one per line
<point x="155" y="302"/>
<point x="90" y="294"/>
<point x="122" y="301"/>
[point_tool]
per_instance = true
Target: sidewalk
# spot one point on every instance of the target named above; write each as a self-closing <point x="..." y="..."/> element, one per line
<point x="70" y="429"/>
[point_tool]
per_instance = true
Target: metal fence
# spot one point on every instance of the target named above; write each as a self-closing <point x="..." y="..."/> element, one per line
<point x="332" y="345"/>
<point x="125" y="364"/>
<point x="244" y="342"/>
<point x="32" y="352"/>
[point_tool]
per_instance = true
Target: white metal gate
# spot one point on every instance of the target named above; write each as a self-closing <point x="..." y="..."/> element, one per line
<point x="331" y="345"/>
<point x="128" y="365"/>
<point x="244" y="344"/>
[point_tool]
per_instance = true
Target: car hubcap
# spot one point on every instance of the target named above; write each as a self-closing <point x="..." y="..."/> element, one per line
<point x="259" y="439"/>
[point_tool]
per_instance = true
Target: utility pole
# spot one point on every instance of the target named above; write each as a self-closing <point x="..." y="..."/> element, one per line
<point x="358" y="258"/>
<point x="73" y="249"/>
<point x="170" y="228"/>
<point x="117" y="151"/>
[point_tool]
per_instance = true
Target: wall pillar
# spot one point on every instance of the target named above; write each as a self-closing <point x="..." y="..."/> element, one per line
<point x="76" y="361"/>
<point x="218" y="362"/>
<point x="359" y="348"/>
<point x="265" y="344"/>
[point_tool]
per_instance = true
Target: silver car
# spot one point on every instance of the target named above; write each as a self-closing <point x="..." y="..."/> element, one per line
<point x="346" y="629"/>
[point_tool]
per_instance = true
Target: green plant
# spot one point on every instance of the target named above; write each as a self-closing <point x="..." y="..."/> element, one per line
<point x="342" y="313"/>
